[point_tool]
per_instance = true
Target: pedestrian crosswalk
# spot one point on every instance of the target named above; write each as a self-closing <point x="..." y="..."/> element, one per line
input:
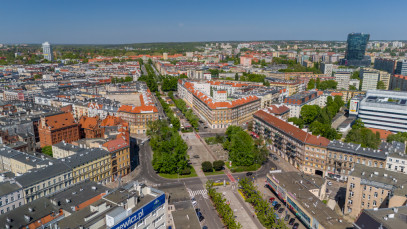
<point x="193" y="193"/>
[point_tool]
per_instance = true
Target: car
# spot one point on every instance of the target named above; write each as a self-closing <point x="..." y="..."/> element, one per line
<point x="197" y="210"/>
<point x="271" y="199"/>
<point x="201" y="218"/>
<point x="287" y="217"/>
<point x="196" y="156"/>
<point x="277" y="206"/>
<point x="329" y="183"/>
<point x="277" y="217"/>
<point x="199" y="214"/>
<point x="274" y="203"/>
<point x="295" y="225"/>
<point x="204" y="227"/>
<point x="291" y="222"/>
<point x="280" y="210"/>
<point x="249" y="174"/>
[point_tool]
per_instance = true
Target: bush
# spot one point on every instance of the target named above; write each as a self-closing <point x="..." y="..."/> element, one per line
<point x="207" y="166"/>
<point x="47" y="150"/>
<point x="218" y="165"/>
<point x="185" y="171"/>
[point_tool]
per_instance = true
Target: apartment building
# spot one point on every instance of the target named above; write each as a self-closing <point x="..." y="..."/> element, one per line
<point x="218" y="114"/>
<point x="297" y="101"/>
<point x="63" y="149"/>
<point x="384" y="76"/>
<point x="119" y="150"/>
<point x="384" y="64"/>
<point x="11" y="196"/>
<point x="300" y="148"/>
<point x="89" y="127"/>
<point x="19" y="162"/>
<point x="326" y="69"/>
<point x="57" y="127"/>
<point x="398" y="82"/>
<point x="396" y="158"/>
<point x="370" y="188"/>
<point x="342" y="158"/>
<point x="342" y="78"/>
<point x="369" y="79"/>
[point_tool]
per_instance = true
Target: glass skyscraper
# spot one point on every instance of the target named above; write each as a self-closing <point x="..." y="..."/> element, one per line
<point x="47" y="51"/>
<point x="355" y="52"/>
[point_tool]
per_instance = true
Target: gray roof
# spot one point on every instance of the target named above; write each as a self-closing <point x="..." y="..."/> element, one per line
<point x="85" y="157"/>
<point x="38" y="175"/>
<point x="41" y="207"/>
<point x="8" y="187"/>
<point x="381" y="178"/>
<point x="357" y="149"/>
<point x="77" y="194"/>
<point x="388" y="218"/>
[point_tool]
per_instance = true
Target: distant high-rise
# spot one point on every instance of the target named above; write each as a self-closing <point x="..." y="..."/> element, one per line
<point x="47" y="51"/>
<point x="401" y="68"/>
<point x="355" y="52"/>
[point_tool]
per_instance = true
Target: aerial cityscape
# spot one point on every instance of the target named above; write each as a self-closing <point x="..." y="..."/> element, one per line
<point x="112" y="118"/>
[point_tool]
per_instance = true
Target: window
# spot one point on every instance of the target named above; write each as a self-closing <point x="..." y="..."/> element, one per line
<point x="364" y="195"/>
<point x="374" y="202"/>
<point x="351" y="194"/>
<point x="375" y="194"/>
<point x="350" y="202"/>
<point x="368" y="197"/>
<point x="363" y="204"/>
<point x="352" y="185"/>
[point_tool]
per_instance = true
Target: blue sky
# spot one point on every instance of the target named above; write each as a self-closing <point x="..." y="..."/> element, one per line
<point x="135" y="21"/>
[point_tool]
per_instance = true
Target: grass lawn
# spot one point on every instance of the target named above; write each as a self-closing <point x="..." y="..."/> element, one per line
<point x="214" y="173"/>
<point x="175" y="176"/>
<point x="237" y="169"/>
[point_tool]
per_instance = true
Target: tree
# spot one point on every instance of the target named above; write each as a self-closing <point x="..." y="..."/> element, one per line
<point x="327" y="84"/>
<point x="207" y="166"/>
<point x="236" y="76"/>
<point x="218" y="165"/>
<point x="381" y="85"/>
<point x="352" y="88"/>
<point x="309" y="113"/>
<point x="364" y="136"/>
<point x="47" y="150"/>
<point x="297" y="121"/>
<point x="399" y="137"/>
<point x="311" y="84"/>
<point x="36" y="76"/>
<point x="250" y="126"/>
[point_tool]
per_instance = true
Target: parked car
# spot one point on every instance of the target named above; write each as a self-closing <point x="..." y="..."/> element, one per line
<point x="197" y="210"/>
<point x="280" y="210"/>
<point x="204" y="227"/>
<point x="296" y="226"/>
<point x="249" y="174"/>
<point x="277" y="206"/>
<point x="274" y="203"/>
<point x="277" y="217"/>
<point x="201" y="218"/>
<point x="196" y="156"/>
<point x="291" y="222"/>
<point x="287" y="217"/>
<point x="329" y="183"/>
<point x="271" y="199"/>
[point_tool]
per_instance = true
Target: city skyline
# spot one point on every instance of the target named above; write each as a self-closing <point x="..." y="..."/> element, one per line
<point x="179" y="21"/>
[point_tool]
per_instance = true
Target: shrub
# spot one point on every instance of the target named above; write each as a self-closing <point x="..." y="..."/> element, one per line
<point x="218" y="165"/>
<point x="185" y="171"/>
<point x="207" y="166"/>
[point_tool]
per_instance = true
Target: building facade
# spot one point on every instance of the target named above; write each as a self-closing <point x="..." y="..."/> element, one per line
<point x="56" y="128"/>
<point x="356" y="48"/>
<point x="47" y="51"/>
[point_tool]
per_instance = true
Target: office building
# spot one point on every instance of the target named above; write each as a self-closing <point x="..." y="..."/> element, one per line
<point x="47" y="51"/>
<point x="342" y="78"/>
<point x="401" y="68"/>
<point x="355" y="83"/>
<point x="132" y="206"/>
<point x="370" y="188"/>
<point x="369" y="79"/>
<point x="326" y="69"/>
<point x="384" y="64"/>
<point x="355" y="52"/>
<point x="386" y="110"/>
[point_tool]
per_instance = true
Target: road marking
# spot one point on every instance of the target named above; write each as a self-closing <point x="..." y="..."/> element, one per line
<point x="193" y="193"/>
<point x="231" y="178"/>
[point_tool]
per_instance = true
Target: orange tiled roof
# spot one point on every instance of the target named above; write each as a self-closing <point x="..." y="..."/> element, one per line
<point x="89" y="122"/>
<point x="292" y="130"/>
<point x="383" y="133"/>
<point x="60" y="121"/>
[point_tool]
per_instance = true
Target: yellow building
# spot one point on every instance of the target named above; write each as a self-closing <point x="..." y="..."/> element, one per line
<point x="95" y="165"/>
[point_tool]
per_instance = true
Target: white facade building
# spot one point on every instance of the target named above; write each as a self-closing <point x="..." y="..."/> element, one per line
<point x="47" y="51"/>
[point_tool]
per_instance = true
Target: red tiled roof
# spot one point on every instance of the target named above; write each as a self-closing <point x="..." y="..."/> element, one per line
<point x="89" y="122"/>
<point x="116" y="144"/>
<point x="278" y="109"/>
<point x="292" y="130"/>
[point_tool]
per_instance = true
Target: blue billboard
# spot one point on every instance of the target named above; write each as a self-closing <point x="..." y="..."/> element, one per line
<point x="141" y="213"/>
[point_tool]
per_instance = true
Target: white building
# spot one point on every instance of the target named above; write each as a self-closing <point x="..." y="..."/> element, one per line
<point x="220" y="96"/>
<point x="47" y="51"/>
<point x="369" y="79"/>
<point x="326" y="69"/>
<point x="343" y="80"/>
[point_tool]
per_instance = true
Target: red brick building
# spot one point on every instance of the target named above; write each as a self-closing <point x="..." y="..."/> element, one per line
<point x="90" y="127"/>
<point x="57" y="127"/>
